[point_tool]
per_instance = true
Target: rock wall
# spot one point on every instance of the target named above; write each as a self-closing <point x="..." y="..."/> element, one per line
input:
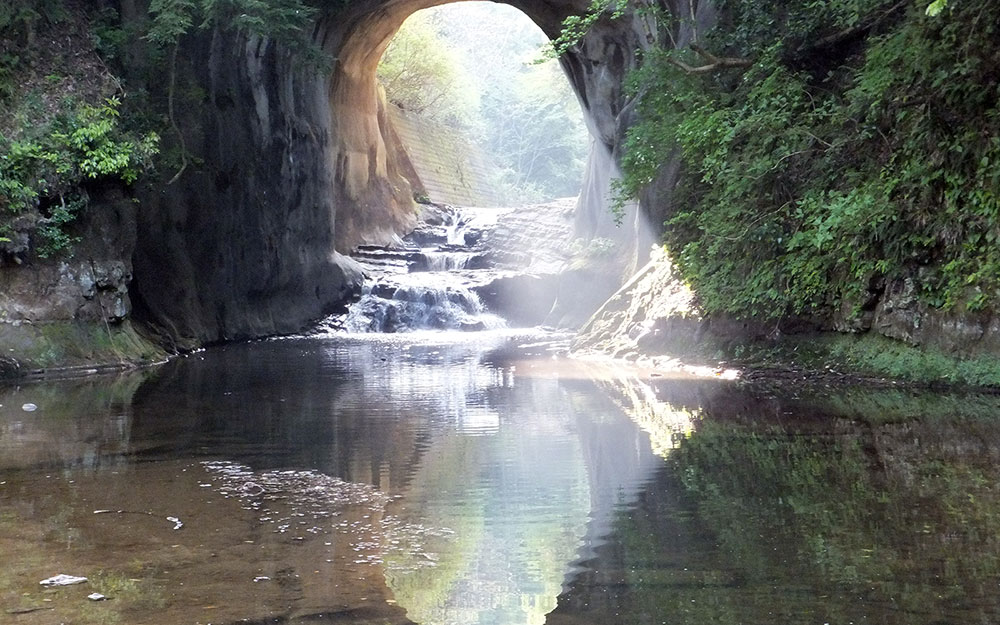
<point x="243" y="245"/>
<point x="89" y="286"/>
<point x="297" y="164"/>
<point x="291" y="167"/>
<point x="448" y="166"/>
<point x="74" y="310"/>
<point x="654" y="304"/>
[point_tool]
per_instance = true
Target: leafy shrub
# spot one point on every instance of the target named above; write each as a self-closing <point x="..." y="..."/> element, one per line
<point x="42" y="172"/>
<point x="861" y="145"/>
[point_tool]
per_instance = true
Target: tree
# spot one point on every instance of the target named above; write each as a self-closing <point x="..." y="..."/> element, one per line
<point x="479" y="59"/>
<point x="422" y="74"/>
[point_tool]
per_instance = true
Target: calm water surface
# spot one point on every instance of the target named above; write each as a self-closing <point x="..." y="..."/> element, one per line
<point x="483" y="479"/>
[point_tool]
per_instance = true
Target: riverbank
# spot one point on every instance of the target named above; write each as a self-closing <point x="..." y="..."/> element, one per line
<point x="73" y="349"/>
<point x="655" y="320"/>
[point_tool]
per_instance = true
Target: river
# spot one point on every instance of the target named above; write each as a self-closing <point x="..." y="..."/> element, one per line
<point x="379" y="473"/>
<point x="452" y="478"/>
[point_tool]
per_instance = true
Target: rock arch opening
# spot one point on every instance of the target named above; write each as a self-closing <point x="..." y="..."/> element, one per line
<point x="371" y="178"/>
<point x="484" y="117"/>
<point x="297" y="167"/>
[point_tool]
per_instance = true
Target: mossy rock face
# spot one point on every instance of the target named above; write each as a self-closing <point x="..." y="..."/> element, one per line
<point x="39" y="349"/>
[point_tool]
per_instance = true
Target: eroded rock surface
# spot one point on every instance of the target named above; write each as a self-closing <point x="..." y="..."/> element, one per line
<point x="654" y="311"/>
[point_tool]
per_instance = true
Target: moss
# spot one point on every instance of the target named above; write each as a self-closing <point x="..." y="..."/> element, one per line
<point x="865" y="355"/>
<point x="133" y="593"/>
<point x="882" y="356"/>
<point x="31" y="347"/>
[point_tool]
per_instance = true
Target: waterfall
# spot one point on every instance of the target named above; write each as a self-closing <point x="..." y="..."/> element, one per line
<point x="407" y="308"/>
<point x="428" y="284"/>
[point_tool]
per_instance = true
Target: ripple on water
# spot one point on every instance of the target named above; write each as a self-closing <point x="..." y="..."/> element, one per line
<point x="298" y="502"/>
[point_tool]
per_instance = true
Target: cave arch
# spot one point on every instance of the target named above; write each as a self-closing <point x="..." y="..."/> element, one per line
<point x="374" y="199"/>
<point x="294" y="165"/>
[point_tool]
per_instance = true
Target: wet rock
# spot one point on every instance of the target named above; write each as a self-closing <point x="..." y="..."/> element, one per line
<point x="427" y="235"/>
<point x="652" y="311"/>
<point x="436" y="214"/>
<point x="899" y="314"/>
<point x="9" y="368"/>
<point x="89" y="285"/>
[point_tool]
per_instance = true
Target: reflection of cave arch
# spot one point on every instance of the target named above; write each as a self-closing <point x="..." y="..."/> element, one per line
<point x="364" y="155"/>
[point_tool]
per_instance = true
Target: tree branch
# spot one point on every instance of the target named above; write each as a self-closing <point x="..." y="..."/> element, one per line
<point x="715" y="63"/>
<point x="171" y="88"/>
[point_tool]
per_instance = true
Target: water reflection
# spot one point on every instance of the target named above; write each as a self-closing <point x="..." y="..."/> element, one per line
<point x="443" y="480"/>
<point x="81" y="423"/>
<point x="517" y="499"/>
<point x="492" y="481"/>
<point x="876" y="507"/>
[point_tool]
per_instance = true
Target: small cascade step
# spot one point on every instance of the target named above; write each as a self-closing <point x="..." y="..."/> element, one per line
<point x="388" y="307"/>
<point x="429" y="286"/>
<point x="393" y="259"/>
<point x="450" y="258"/>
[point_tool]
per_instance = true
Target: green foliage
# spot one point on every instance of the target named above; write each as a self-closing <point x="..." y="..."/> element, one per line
<point x="575" y="27"/>
<point x="822" y="172"/>
<point x="533" y="127"/>
<point x="109" y="35"/>
<point x="42" y="169"/>
<point x="422" y="74"/>
<point x="19" y="24"/>
<point x="21" y="18"/>
<point x="171" y="19"/>
<point x="472" y="66"/>
<point x="284" y="21"/>
<point x="8" y="75"/>
<point x="934" y="8"/>
<point x="880" y="356"/>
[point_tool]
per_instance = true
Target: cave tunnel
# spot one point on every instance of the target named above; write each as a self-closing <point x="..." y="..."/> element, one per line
<point x="296" y="170"/>
<point x="365" y="173"/>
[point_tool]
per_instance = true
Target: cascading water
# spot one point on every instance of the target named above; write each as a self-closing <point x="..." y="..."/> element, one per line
<point x="389" y="306"/>
<point x="429" y="285"/>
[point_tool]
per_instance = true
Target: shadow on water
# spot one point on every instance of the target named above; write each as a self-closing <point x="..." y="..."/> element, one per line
<point x="438" y="479"/>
